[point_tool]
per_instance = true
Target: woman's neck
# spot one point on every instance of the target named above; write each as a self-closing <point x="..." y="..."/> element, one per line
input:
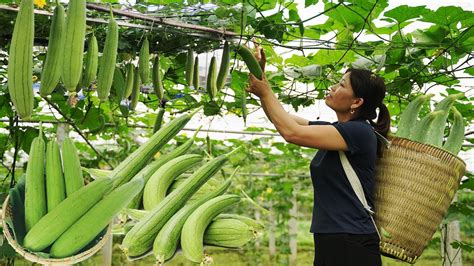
<point x="344" y="117"/>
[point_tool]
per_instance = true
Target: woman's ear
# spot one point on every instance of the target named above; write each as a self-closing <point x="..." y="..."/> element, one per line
<point x="358" y="102"/>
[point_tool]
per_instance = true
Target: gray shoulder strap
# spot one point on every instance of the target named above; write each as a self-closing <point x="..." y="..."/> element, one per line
<point x="357" y="186"/>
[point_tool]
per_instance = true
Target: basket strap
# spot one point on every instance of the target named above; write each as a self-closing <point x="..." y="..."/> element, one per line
<point x="357" y="186"/>
<point x="382" y="139"/>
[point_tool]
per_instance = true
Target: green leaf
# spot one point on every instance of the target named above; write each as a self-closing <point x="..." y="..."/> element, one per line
<point x="404" y="12"/>
<point x="400" y="85"/>
<point x="434" y="34"/>
<point x="468" y="183"/>
<point x="310" y="2"/>
<point x="211" y="108"/>
<point x="389" y="29"/>
<point x="312" y="33"/>
<point x="295" y="17"/>
<point x="469" y="71"/>
<point x="273" y="27"/>
<point x="446" y="15"/>
<point x="462" y="245"/>
<point x="92" y="120"/>
<point x="6" y="251"/>
<point x="263" y="4"/>
<point x="396" y="55"/>
<point x="327" y="57"/>
<point x="297" y="60"/>
<point x="118" y="85"/>
<point x="350" y="18"/>
<point x="255" y="129"/>
<point x="26" y="137"/>
<point x="5" y="106"/>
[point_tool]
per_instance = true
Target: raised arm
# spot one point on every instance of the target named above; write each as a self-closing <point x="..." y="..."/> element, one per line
<point x="300" y="120"/>
<point x="324" y="137"/>
<point x="262" y="60"/>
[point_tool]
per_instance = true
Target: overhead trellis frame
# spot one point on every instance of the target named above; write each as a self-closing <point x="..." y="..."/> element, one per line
<point x="214" y="34"/>
<point x="162" y="21"/>
<point x="95" y="20"/>
<point x="166" y="25"/>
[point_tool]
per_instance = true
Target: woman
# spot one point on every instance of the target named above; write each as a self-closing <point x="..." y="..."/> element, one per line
<point x="344" y="233"/>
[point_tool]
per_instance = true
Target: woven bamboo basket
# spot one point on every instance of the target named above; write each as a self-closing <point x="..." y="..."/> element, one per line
<point x="415" y="184"/>
<point x="7" y="231"/>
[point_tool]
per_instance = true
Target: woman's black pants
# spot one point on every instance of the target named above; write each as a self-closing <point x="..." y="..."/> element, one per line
<point x="346" y="250"/>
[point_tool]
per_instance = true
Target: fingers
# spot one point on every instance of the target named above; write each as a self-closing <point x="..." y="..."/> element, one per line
<point x="252" y="78"/>
<point x="257" y="54"/>
<point x="262" y="59"/>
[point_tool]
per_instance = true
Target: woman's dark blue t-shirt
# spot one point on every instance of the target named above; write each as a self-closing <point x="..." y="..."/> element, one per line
<point x="336" y="207"/>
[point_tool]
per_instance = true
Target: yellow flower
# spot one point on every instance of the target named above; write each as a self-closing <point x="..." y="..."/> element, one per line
<point x="34" y="78"/>
<point x="269" y="190"/>
<point x="40" y="3"/>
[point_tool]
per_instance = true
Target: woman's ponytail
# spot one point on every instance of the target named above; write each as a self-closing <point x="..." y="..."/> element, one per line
<point x="382" y="126"/>
<point x="371" y="88"/>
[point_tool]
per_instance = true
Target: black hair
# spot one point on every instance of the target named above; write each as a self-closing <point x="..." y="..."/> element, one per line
<point x="371" y="88"/>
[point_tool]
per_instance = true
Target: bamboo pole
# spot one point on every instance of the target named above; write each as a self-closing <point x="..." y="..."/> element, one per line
<point x="293" y="230"/>
<point x="450" y="232"/>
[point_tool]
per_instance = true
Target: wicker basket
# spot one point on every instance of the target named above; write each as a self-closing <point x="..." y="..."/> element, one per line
<point x="7" y="231"/>
<point x="415" y="184"/>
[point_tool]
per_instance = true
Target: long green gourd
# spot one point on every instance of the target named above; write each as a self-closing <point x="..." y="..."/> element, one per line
<point x="167" y="240"/>
<point x="410" y="115"/>
<point x="92" y="61"/>
<point x="224" y="67"/>
<point x="436" y="132"/>
<point x="257" y="225"/>
<point x="211" y="85"/>
<point x="95" y="220"/>
<point x="129" y="80"/>
<point x="74" y="44"/>
<point x="230" y="233"/>
<point x="135" y="161"/>
<point x="456" y="134"/>
<point x="157" y="185"/>
<point x="108" y="60"/>
<point x="196" y="73"/>
<point x="135" y="90"/>
<point x="55" y="188"/>
<point x="57" y="221"/>
<point x="20" y="61"/>
<point x="156" y="77"/>
<point x="193" y="229"/>
<point x="35" y="196"/>
<point x="140" y="238"/>
<point x="73" y="178"/>
<point x="151" y="168"/>
<point x="54" y="58"/>
<point x="423" y="127"/>
<point x="189" y="68"/>
<point x="144" y="61"/>
<point x="251" y="62"/>
<point x="159" y="119"/>
<point x="210" y="185"/>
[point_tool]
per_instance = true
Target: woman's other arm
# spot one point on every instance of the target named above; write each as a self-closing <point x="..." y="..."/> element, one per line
<point x="325" y="137"/>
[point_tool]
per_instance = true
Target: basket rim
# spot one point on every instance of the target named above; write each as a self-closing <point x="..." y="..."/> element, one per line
<point x="50" y="261"/>
<point x="392" y="137"/>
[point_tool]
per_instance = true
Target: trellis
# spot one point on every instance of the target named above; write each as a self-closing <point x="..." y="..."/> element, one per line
<point x="217" y="35"/>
